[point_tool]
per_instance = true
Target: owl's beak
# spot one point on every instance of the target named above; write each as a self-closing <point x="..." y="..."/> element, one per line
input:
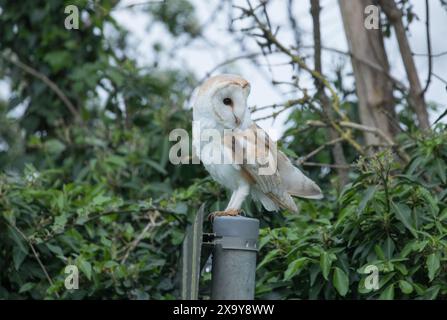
<point x="237" y="120"/>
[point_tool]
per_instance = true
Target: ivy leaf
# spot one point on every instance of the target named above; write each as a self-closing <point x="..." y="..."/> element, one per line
<point x="341" y="281"/>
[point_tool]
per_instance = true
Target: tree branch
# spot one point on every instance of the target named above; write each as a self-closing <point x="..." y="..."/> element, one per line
<point x="70" y="106"/>
<point x="429" y="56"/>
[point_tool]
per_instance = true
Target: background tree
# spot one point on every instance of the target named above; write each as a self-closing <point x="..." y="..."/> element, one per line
<point x="371" y="71"/>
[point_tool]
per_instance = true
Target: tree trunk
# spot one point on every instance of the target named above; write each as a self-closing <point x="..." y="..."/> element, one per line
<point x="374" y="88"/>
<point x="337" y="149"/>
<point x="416" y="93"/>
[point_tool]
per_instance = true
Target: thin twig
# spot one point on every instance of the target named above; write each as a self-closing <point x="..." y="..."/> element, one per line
<point x="329" y="165"/>
<point x="301" y="160"/>
<point x="71" y="107"/>
<point x="151" y="224"/>
<point x="337" y="149"/>
<point x="353" y="125"/>
<point x="399" y="84"/>
<point x="439" y="78"/>
<point x="35" y="253"/>
<point x="229" y="61"/>
<point x="138" y="4"/>
<point x="434" y="55"/>
<point x="427" y="28"/>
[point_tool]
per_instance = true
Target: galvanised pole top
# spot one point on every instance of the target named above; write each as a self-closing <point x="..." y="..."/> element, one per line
<point x="234" y="258"/>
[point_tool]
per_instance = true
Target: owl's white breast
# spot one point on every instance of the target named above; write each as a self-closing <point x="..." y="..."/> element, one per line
<point x="223" y="171"/>
<point x="225" y="174"/>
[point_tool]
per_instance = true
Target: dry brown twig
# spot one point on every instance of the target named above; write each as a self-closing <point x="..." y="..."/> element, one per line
<point x="303" y="159"/>
<point x="353" y="125"/>
<point x="151" y="224"/>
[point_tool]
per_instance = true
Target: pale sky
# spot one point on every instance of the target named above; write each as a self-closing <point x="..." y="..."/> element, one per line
<point x="201" y="57"/>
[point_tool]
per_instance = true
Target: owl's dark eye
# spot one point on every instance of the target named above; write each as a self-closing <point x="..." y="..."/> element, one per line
<point x="228" y="102"/>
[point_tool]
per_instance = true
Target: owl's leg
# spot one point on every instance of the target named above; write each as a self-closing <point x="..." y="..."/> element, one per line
<point x="235" y="204"/>
<point x="238" y="197"/>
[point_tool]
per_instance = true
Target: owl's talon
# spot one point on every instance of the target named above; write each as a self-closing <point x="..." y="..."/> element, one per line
<point x="230" y="212"/>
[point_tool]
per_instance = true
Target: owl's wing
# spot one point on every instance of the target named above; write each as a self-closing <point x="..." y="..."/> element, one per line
<point x="297" y="184"/>
<point x="277" y="180"/>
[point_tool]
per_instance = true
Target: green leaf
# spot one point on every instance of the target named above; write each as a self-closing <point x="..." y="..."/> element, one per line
<point x="18" y="256"/>
<point x="269" y="257"/>
<point x="432" y="292"/>
<point x="18" y="240"/>
<point x="100" y="199"/>
<point x="367" y="196"/>
<point x="340" y="281"/>
<point x="379" y="252"/>
<point x="388" y="293"/>
<point x="325" y="264"/>
<point x="54" y="147"/>
<point x="57" y="59"/>
<point x="55" y="249"/>
<point x="156" y="166"/>
<point x="403" y="214"/>
<point x="405" y="287"/>
<point x="433" y="265"/>
<point x="294" y="268"/>
<point x="26" y="287"/>
<point x="402" y="268"/>
<point x="441" y="168"/>
<point x="85" y="267"/>
<point x="389" y="248"/>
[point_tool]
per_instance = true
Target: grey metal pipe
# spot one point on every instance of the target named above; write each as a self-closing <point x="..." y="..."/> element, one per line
<point x="234" y="258"/>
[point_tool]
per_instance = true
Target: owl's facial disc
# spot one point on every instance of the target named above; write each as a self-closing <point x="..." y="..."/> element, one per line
<point x="230" y="105"/>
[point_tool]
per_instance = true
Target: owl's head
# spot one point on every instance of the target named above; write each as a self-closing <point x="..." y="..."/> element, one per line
<point x="224" y="99"/>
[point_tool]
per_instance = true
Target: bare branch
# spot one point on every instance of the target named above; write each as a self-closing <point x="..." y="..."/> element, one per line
<point x="429" y="56"/>
<point x="70" y="106"/>
<point x="337" y="150"/>
<point x="329" y="165"/>
<point x="303" y="159"/>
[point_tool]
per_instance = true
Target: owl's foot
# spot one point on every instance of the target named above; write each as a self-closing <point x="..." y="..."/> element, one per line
<point x="229" y="212"/>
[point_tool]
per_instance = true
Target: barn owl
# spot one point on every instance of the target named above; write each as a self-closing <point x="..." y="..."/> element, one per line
<point x="221" y="106"/>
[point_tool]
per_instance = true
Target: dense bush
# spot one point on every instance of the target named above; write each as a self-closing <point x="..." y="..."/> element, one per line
<point x="390" y="216"/>
<point x="110" y="210"/>
<point x="120" y="222"/>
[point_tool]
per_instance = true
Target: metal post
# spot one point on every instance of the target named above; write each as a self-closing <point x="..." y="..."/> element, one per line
<point x="234" y="258"/>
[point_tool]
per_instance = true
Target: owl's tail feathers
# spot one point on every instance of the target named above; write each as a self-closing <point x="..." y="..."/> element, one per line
<point x="273" y="203"/>
<point x="306" y="188"/>
<point x="296" y="182"/>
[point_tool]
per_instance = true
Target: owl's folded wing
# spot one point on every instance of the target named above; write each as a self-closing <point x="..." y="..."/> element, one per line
<point x="282" y="179"/>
